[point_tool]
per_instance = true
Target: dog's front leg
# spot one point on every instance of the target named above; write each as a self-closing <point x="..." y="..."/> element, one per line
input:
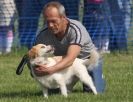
<point x="63" y="89"/>
<point x="62" y="86"/>
<point x="45" y="92"/>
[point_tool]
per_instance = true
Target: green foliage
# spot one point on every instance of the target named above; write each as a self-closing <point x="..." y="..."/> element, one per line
<point x="117" y="69"/>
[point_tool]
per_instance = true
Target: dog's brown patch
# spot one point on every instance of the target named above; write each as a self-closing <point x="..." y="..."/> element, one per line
<point x="33" y="52"/>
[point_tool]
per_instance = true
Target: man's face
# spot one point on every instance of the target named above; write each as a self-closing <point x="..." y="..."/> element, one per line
<point x="54" y="20"/>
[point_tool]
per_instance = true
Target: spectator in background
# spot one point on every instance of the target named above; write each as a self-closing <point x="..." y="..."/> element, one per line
<point x="29" y="13"/>
<point x="7" y="17"/>
<point x="96" y="20"/>
<point x="121" y="19"/>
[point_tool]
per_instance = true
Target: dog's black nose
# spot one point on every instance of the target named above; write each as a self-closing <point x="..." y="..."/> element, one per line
<point x="52" y="46"/>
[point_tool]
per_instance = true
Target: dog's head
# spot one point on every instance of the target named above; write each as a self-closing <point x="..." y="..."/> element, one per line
<point x="39" y="52"/>
<point x="36" y="55"/>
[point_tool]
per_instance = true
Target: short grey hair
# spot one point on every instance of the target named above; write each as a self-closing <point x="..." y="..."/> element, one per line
<point x="57" y="5"/>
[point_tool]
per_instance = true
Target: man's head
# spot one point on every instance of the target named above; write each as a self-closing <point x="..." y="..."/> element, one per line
<point x="54" y="14"/>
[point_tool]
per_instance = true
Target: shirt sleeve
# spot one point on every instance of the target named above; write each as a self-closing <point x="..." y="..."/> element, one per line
<point x="75" y="35"/>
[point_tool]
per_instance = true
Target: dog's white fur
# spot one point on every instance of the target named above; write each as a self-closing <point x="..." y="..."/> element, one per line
<point x="42" y="54"/>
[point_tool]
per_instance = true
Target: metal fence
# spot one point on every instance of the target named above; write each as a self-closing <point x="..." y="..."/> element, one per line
<point x="108" y="22"/>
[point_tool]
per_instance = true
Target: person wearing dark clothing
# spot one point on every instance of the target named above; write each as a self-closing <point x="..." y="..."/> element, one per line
<point x="28" y="13"/>
<point x="121" y="19"/>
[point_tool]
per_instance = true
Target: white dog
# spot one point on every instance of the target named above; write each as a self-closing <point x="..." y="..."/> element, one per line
<point x="42" y="54"/>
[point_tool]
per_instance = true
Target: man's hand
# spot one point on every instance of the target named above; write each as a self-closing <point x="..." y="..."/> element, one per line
<point x="42" y="70"/>
<point x="62" y="63"/>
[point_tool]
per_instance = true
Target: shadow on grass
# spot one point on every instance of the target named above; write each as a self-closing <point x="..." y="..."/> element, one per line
<point x="19" y="94"/>
<point x="31" y="94"/>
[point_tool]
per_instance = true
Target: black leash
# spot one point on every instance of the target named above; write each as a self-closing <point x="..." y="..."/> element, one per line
<point x="22" y="64"/>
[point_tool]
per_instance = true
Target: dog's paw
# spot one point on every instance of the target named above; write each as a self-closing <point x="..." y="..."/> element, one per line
<point x="45" y="96"/>
<point x="65" y="95"/>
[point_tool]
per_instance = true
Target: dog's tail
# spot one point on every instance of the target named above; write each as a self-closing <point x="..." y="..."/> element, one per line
<point x="93" y="61"/>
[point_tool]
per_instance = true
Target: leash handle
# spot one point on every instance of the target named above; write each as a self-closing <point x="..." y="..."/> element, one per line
<point x="21" y="65"/>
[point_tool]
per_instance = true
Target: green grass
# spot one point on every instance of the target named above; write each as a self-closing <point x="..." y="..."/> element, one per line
<point x="118" y="71"/>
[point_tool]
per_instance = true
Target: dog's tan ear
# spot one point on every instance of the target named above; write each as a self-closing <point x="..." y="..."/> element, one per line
<point x="32" y="53"/>
<point x="29" y="54"/>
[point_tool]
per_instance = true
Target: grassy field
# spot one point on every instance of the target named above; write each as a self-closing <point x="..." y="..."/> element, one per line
<point x="117" y="68"/>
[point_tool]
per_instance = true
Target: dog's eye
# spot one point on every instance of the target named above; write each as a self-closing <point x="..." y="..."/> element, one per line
<point x="42" y="46"/>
